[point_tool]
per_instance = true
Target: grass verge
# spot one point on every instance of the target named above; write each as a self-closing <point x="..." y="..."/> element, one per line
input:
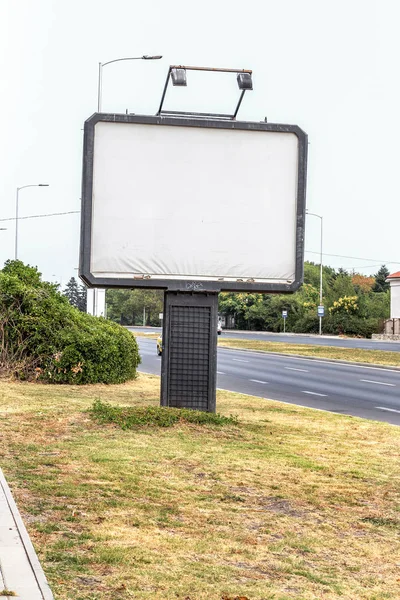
<point x="285" y="503"/>
<point x="376" y="357"/>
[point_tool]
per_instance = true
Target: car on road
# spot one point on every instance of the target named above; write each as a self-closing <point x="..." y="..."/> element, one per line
<point x="159" y="345"/>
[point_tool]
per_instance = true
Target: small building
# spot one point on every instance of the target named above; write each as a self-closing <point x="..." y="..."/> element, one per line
<point x="394" y="280"/>
<point x="391" y="327"/>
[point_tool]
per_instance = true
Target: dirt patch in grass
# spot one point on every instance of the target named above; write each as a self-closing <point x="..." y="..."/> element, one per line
<point x="286" y="503"/>
<point x="376" y="357"/>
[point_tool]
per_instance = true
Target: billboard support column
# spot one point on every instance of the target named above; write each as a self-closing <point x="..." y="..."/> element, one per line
<point x="189" y="357"/>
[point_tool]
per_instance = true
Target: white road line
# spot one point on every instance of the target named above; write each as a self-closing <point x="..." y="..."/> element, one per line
<point x="258" y="381"/>
<point x="294" y="369"/>
<point x="220" y="373"/>
<point x="378" y="382"/>
<point x="388" y="409"/>
<point x="313" y="393"/>
<point x="240" y="360"/>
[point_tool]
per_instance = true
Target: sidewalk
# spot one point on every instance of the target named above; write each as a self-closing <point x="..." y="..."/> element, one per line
<point x="20" y="570"/>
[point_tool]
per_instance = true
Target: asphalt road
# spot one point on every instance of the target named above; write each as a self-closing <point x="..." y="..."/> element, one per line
<point x="289" y="338"/>
<point x="368" y="392"/>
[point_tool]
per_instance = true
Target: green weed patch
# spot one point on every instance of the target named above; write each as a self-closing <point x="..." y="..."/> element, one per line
<point x="128" y="417"/>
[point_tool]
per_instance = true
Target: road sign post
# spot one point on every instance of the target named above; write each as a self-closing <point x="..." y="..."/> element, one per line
<point x="320" y="313"/>
<point x="284" y="316"/>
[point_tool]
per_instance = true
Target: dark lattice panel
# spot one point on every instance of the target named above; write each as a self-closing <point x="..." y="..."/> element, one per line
<point x="188" y="381"/>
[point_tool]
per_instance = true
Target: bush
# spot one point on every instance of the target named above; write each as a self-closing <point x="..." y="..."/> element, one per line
<point x="338" y="324"/>
<point x="308" y="323"/>
<point x="44" y="337"/>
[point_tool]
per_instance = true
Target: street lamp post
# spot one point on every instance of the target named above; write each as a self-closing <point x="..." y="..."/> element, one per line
<point x="16" y="211"/>
<point x="99" y="98"/>
<point x="100" y="78"/>
<point x="320" y="268"/>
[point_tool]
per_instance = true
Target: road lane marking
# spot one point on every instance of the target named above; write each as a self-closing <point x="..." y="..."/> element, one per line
<point x="378" y="382"/>
<point x="258" y="381"/>
<point x="240" y="360"/>
<point x="294" y="369"/>
<point x="388" y="409"/>
<point x="313" y="393"/>
<point x="220" y="373"/>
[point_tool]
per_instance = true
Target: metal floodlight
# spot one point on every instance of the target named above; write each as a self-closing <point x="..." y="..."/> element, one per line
<point x="178" y="77"/>
<point x="244" y="81"/>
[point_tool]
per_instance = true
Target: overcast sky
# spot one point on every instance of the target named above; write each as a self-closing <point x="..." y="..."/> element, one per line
<point x="329" y="67"/>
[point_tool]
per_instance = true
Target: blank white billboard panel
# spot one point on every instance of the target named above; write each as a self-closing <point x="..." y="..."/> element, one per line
<point x="179" y="200"/>
<point x="193" y="203"/>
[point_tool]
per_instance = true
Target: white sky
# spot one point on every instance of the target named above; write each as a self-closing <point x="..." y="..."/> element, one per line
<point x="329" y="67"/>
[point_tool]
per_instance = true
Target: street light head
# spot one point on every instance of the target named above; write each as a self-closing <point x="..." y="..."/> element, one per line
<point x="244" y="81"/>
<point x="178" y="77"/>
<point x="43" y="184"/>
<point x="147" y="57"/>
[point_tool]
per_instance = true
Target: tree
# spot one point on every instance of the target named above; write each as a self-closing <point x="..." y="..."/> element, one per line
<point x="380" y="280"/>
<point x="82" y="298"/>
<point x="362" y="284"/>
<point x="347" y="305"/>
<point x="127" y="307"/>
<point x="351" y="306"/>
<point x="342" y="286"/>
<point x="72" y="292"/>
<point x="76" y="294"/>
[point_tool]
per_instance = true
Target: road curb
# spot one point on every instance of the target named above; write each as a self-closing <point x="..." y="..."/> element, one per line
<point x="336" y="361"/>
<point x="31" y="556"/>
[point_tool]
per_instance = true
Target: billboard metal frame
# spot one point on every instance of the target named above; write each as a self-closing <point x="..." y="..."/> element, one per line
<point x="189" y="285"/>
<point x="210" y="70"/>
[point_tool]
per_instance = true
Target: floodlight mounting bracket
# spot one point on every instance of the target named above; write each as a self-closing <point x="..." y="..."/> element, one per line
<point x="199" y="115"/>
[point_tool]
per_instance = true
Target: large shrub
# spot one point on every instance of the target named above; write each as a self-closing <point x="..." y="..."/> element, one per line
<point x="338" y="324"/>
<point x="43" y="336"/>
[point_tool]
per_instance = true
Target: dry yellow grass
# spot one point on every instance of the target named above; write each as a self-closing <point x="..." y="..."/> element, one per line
<point x="290" y="504"/>
<point x="151" y="336"/>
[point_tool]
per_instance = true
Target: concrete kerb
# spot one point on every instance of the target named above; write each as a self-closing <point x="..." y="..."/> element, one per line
<point x="317" y="358"/>
<point x="26" y="560"/>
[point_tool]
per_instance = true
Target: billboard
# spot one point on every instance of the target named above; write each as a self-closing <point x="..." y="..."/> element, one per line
<point x="192" y="204"/>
